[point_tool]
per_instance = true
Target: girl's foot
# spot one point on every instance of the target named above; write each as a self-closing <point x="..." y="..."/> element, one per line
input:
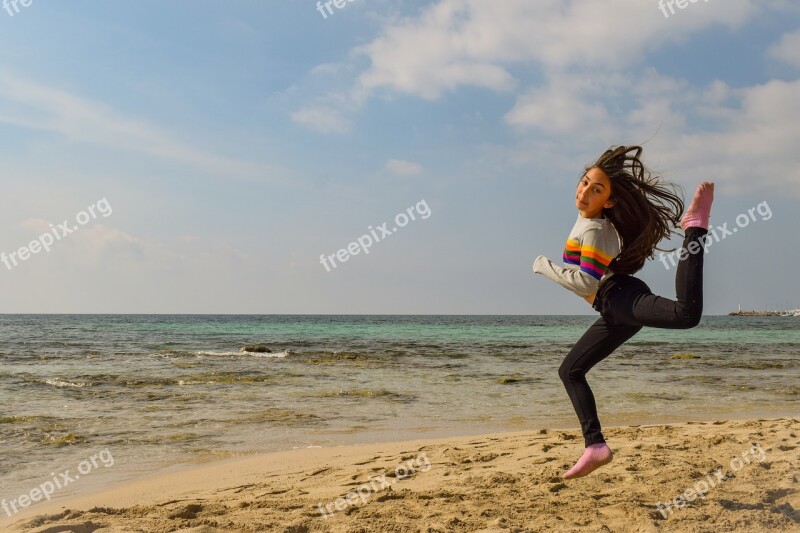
<point x="594" y="456"/>
<point x="699" y="211"/>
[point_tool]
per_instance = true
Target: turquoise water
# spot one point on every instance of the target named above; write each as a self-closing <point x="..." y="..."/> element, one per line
<point x="158" y="389"/>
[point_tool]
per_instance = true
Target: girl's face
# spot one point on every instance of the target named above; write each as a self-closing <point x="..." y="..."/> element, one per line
<point x="593" y="193"/>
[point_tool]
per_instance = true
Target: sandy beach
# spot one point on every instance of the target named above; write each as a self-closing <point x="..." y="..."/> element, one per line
<point x="227" y="305"/>
<point x="737" y="475"/>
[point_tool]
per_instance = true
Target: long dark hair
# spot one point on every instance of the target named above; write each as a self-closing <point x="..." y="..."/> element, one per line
<point x="645" y="210"/>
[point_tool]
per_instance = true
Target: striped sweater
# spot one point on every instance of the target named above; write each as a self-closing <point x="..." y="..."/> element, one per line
<point x="592" y="244"/>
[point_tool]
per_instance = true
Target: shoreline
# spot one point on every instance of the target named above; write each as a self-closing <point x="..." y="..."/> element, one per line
<point x="265" y="489"/>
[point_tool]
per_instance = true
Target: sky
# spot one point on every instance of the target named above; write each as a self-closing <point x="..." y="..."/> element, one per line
<point x="201" y="157"/>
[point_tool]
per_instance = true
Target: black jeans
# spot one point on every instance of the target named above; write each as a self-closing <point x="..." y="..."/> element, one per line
<point x="626" y="304"/>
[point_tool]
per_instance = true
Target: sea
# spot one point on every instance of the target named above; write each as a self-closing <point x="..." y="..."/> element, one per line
<point x="108" y="398"/>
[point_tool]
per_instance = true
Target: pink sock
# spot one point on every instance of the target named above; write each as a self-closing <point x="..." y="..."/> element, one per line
<point x="699" y="212"/>
<point x="594" y="456"/>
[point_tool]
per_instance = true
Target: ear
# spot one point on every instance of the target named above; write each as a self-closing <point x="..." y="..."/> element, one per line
<point x="609" y="204"/>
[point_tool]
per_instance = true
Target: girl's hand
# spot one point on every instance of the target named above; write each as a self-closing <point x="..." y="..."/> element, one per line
<point x="537" y="265"/>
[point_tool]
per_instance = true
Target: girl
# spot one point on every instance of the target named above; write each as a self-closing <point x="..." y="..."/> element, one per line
<point x="624" y="212"/>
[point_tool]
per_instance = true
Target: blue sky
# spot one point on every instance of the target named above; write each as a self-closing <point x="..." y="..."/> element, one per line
<point x="236" y="142"/>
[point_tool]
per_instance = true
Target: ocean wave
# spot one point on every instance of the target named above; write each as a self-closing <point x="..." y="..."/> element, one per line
<point x="266" y="355"/>
<point x="342" y="357"/>
<point x="211" y="353"/>
<point x="214" y="378"/>
<point x="146" y="382"/>
<point x="17" y="419"/>
<point x="57" y="382"/>
<point x="280" y="417"/>
<point x="369" y="393"/>
<point x="652" y="396"/>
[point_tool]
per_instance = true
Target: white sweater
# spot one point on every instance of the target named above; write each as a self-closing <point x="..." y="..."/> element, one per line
<point x="591" y="245"/>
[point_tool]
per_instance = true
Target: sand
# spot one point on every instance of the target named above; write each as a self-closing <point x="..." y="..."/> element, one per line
<point x="500" y="482"/>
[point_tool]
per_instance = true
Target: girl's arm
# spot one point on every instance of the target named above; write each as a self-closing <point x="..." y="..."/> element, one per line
<point x="596" y="252"/>
<point x="571" y="279"/>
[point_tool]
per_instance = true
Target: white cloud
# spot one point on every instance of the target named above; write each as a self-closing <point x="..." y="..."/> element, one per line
<point x="754" y="150"/>
<point x="788" y="49"/>
<point x="326" y="69"/>
<point x="33" y="106"/>
<point x="403" y="168"/>
<point x="95" y="241"/>
<point x="476" y="42"/>
<point x="97" y="244"/>
<point x="593" y="86"/>
<point x="746" y="143"/>
<point x="561" y="107"/>
<point x="322" y="119"/>
<point x="606" y="105"/>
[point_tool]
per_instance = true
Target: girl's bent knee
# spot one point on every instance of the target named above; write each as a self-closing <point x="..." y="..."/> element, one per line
<point x="689" y="317"/>
<point x="690" y="321"/>
<point x="568" y="374"/>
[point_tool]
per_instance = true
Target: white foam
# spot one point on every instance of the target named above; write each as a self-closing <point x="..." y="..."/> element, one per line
<point x="251" y="354"/>
<point x="276" y="354"/>
<point x="63" y="383"/>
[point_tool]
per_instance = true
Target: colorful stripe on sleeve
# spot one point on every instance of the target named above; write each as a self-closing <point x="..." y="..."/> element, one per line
<point x="593" y="261"/>
<point x="572" y="252"/>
